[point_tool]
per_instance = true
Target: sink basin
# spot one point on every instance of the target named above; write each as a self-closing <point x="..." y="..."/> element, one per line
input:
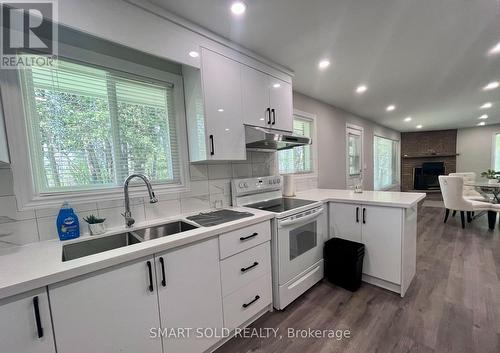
<point x="164" y="230"/>
<point x="95" y="246"/>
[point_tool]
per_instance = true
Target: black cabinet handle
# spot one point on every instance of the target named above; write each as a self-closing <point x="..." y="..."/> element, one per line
<point x="274" y="116"/>
<point x="357" y="214"/>
<point x="39" y="327"/>
<point x="150" y="287"/>
<point x="164" y="278"/>
<point x="268" y="115"/>
<point x="364" y="215"/>
<point x="244" y="269"/>
<point x="248" y="237"/>
<point x="212" y="149"/>
<point x="246" y="305"/>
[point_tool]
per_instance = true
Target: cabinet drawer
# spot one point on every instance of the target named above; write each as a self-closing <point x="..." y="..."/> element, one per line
<point x="241" y="239"/>
<point x="246" y="302"/>
<point x="247" y="266"/>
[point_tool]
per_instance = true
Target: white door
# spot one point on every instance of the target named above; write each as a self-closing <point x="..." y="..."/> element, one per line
<point x="354" y="156"/>
<point x="255" y="97"/>
<point x="190" y="295"/>
<point x="110" y="311"/>
<point x="300" y="242"/>
<point x="345" y="221"/>
<point x="281" y="98"/>
<point x="25" y="323"/>
<point x="381" y="234"/>
<point x="223" y="112"/>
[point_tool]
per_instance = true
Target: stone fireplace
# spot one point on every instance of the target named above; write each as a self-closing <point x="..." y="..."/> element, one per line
<point x="424" y="156"/>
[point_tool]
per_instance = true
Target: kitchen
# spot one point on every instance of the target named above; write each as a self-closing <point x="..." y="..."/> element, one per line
<point x="198" y="186"/>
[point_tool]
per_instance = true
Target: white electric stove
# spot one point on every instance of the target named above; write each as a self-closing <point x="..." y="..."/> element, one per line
<point x="298" y="233"/>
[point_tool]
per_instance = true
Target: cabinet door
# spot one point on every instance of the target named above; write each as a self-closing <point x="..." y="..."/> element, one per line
<point x="345" y="221"/>
<point x="381" y="235"/>
<point x="18" y="319"/>
<point x="255" y="97"/>
<point x="109" y="311"/>
<point x="281" y="99"/>
<point x="190" y="294"/>
<point x="223" y="113"/>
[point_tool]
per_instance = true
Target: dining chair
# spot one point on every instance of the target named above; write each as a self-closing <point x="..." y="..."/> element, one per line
<point x="469" y="192"/>
<point x="452" y="191"/>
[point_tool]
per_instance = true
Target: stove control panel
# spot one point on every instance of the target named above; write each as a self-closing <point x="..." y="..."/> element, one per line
<point x="256" y="185"/>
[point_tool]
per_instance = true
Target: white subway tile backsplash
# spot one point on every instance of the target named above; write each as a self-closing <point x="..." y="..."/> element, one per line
<point x="209" y="187"/>
<point x="242" y="170"/>
<point x="198" y="171"/>
<point x="162" y="209"/>
<point x="8" y="208"/>
<point x="220" y="171"/>
<point x="18" y="233"/>
<point x="195" y="204"/>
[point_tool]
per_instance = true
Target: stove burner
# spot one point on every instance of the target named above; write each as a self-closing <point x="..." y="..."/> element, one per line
<point x="280" y="205"/>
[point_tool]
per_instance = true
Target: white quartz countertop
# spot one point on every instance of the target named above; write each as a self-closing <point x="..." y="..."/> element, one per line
<point x="35" y="265"/>
<point x="380" y="198"/>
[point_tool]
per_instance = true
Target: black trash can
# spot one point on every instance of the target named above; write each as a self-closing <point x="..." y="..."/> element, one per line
<point x="344" y="263"/>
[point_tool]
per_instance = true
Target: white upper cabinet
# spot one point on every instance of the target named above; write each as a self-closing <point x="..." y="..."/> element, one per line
<point x="267" y="101"/>
<point x="213" y="108"/>
<point x="26" y="325"/>
<point x="281" y="105"/>
<point x="189" y="294"/>
<point x="4" y="151"/>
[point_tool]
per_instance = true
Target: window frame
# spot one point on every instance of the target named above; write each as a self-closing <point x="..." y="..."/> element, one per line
<point x="493" y="149"/>
<point x="314" y="155"/>
<point x="16" y="123"/>
<point x="397" y="172"/>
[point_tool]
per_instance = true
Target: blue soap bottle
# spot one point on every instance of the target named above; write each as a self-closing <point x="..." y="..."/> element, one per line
<point x="67" y="223"/>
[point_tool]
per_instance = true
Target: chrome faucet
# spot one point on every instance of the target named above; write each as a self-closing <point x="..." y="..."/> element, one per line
<point x="129" y="221"/>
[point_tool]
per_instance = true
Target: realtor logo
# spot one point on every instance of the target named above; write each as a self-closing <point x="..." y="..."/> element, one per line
<point x="28" y="33"/>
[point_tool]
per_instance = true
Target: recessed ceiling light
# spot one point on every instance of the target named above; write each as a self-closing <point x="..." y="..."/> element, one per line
<point x="361" y="89"/>
<point x="390" y="108"/>
<point x="323" y="64"/>
<point x="238" y="8"/>
<point x="408" y="118"/>
<point x="484" y="116"/>
<point x="220" y="110"/>
<point x="486" y="105"/>
<point x="276" y="85"/>
<point x="194" y="54"/>
<point x="491" y="85"/>
<point x="419" y="126"/>
<point x="495" y="49"/>
<point x="482" y="123"/>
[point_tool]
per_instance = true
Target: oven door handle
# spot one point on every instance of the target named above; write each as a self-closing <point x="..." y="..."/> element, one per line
<point x="286" y="223"/>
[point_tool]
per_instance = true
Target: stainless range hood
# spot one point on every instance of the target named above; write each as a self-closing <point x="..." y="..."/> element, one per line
<point x="268" y="140"/>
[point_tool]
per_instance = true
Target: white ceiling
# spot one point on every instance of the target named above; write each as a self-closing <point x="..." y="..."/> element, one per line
<point x="428" y="57"/>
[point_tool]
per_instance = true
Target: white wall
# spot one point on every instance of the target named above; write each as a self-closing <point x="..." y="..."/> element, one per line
<point x="474" y="146"/>
<point x="331" y="132"/>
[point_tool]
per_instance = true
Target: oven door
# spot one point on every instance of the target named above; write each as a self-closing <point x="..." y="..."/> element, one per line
<point x="300" y="242"/>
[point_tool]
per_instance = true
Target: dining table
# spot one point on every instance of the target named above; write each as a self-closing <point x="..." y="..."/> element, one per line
<point x="487" y="190"/>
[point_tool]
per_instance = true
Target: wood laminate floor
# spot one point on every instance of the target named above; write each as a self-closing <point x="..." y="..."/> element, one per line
<point x="453" y="304"/>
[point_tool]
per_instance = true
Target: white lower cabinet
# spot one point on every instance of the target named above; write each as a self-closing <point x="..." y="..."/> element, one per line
<point x="25" y="323"/>
<point x="189" y="295"/>
<point x="380" y="229"/>
<point x="107" y="311"/>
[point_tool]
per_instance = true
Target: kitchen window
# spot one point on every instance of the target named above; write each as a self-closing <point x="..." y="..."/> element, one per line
<point x="298" y="159"/>
<point x="385" y="163"/>
<point x="87" y="127"/>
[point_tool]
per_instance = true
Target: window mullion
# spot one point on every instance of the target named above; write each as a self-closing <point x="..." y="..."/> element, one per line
<point x="119" y="157"/>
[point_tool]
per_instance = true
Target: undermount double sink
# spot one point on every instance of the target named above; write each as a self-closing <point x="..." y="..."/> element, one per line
<point x="94" y="246"/>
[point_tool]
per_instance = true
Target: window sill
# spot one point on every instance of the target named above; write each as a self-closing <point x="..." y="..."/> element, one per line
<point x="393" y="187"/>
